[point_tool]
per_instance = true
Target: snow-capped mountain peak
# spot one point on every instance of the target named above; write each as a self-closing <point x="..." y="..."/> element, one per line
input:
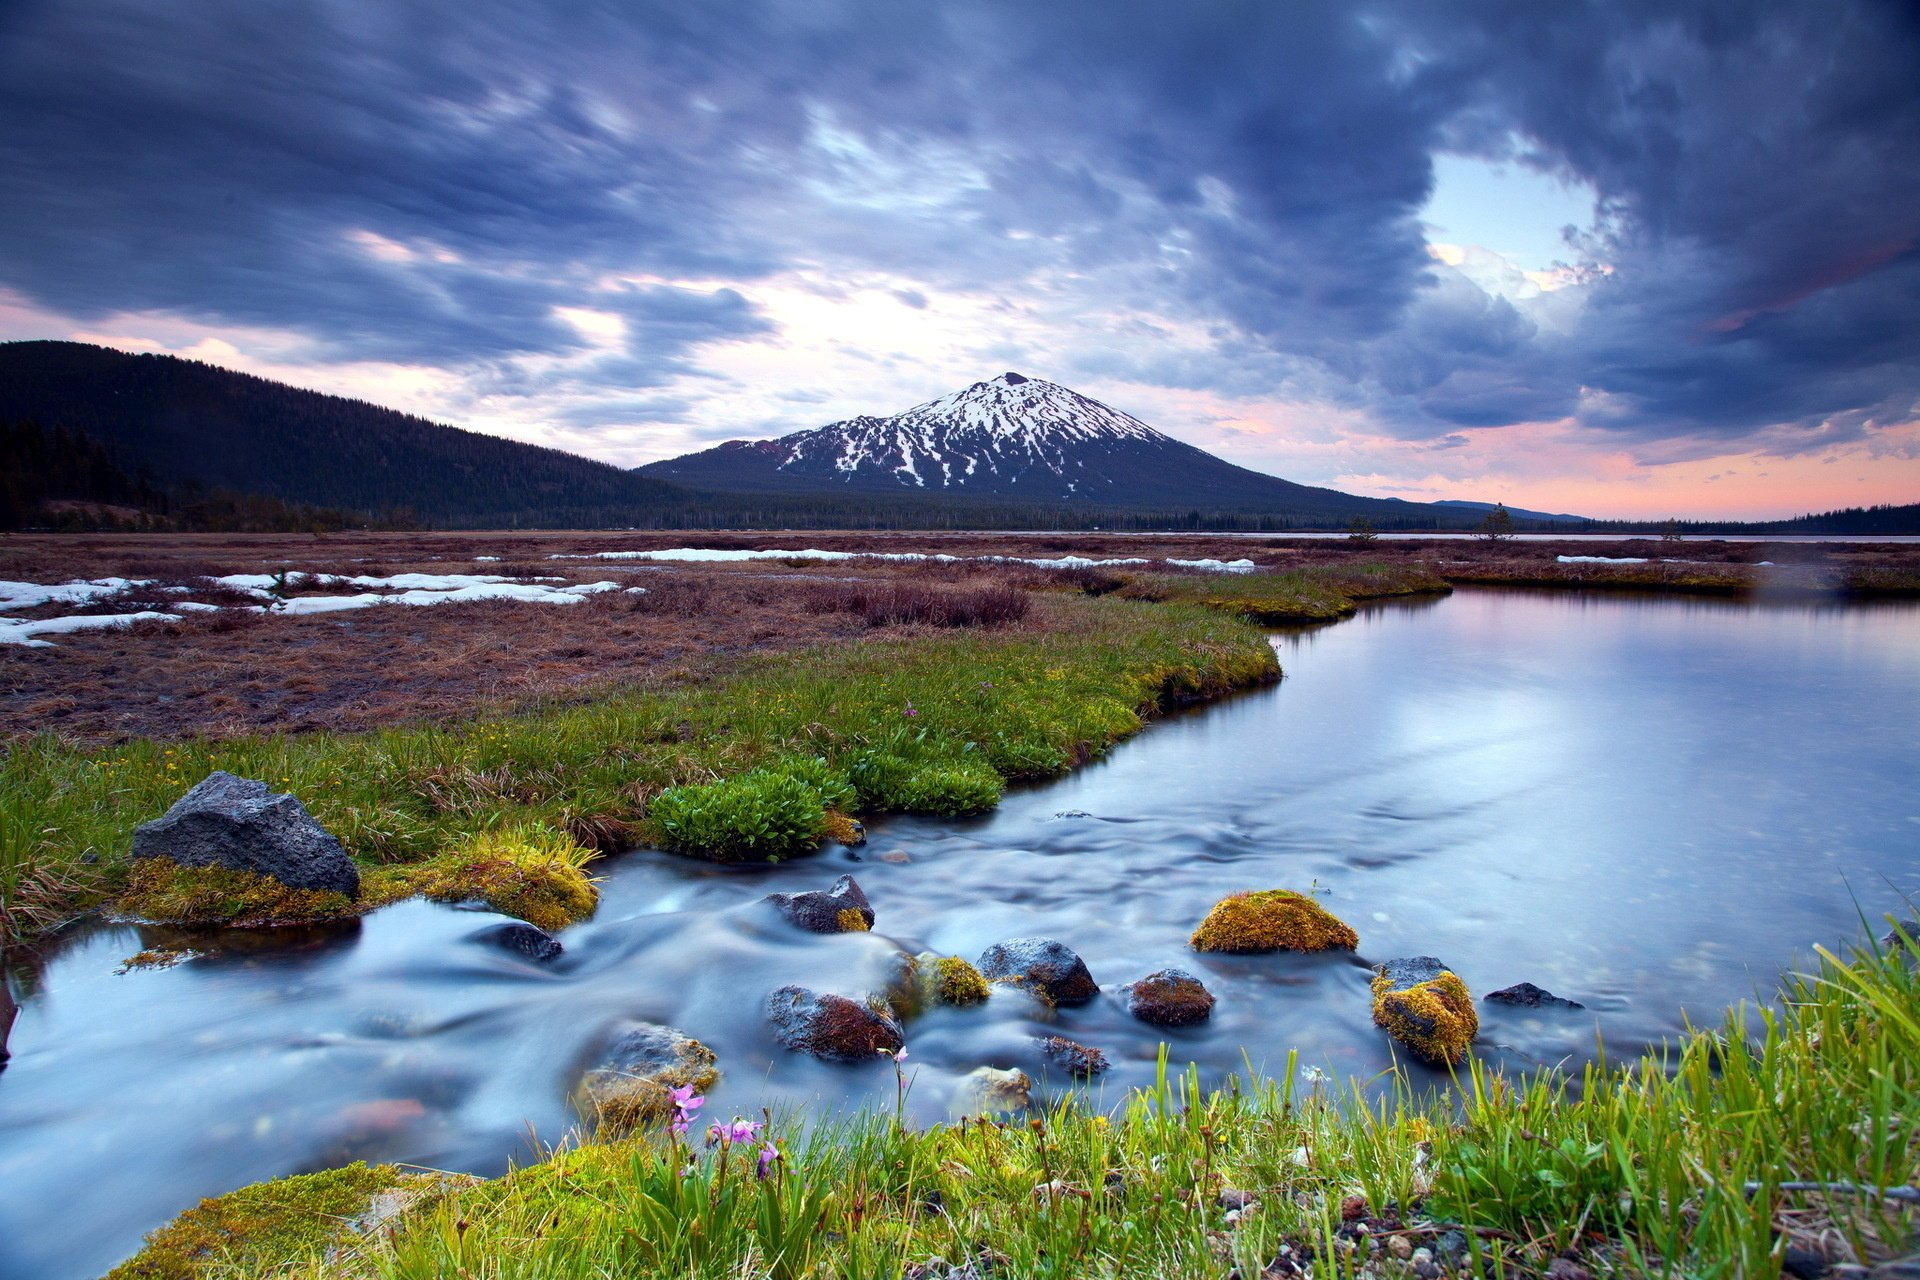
<point x="995" y="433"/>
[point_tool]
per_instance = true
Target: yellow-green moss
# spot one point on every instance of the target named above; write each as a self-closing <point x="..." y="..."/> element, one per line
<point x="957" y="982"/>
<point x="844" y="829"/>
<point x="1434" y="1019"/>
<point x="1273" y="920"/>
<point x="534" y="873"/>
<point x="164" y="892"/>
<point x="851" y="920"/>
<point x="264" y="1226"/>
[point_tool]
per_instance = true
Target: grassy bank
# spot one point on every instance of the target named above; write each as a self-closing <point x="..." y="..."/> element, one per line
<point x="750" y="763"/>
<point x="1678" y="1164"/>
<point x="1319" y="593"/>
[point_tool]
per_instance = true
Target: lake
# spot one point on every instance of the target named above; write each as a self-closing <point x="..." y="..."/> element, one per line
<point x="1648" y="804"/>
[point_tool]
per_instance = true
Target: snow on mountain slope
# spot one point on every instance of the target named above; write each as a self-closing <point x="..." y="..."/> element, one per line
<point x="1004" y="429"/>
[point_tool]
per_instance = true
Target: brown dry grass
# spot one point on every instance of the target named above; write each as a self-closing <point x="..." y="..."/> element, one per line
<point x="231" y="673"/>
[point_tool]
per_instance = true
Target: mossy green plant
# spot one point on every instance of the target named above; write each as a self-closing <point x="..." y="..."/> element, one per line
<point x="269" y="1225"/>
<point x="531" y="872"/>
<point x="161" y="891"/>
<point x="957" y="982"/>
<point x="1272" y="920"/>
<point x="1434" y="1019"/>
<point x="763" y="814"/>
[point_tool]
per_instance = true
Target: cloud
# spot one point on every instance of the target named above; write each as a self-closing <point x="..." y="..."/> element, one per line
<point x="1223" y="199"/>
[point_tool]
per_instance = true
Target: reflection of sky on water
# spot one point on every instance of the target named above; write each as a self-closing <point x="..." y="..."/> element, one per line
<point x="1649" y="804"/>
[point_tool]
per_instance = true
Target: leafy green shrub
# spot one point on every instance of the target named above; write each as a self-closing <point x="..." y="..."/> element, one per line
<point x="765" y="813"/>
<point x="888" y="783"/>
<point x="829" y="783"/>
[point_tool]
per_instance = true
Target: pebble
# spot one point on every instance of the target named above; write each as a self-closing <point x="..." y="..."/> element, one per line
<point x="1399" y="1247"/>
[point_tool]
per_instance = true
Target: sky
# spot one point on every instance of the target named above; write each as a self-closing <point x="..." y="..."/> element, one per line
<point x="1618" y="259"/>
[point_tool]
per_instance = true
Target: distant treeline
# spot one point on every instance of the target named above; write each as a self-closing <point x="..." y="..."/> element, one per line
<point x="1886" y="518"/>
<point x="60" y="479"/>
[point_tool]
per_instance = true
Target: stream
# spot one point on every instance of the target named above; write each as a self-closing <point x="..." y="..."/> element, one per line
<point x="1649" y="804"/>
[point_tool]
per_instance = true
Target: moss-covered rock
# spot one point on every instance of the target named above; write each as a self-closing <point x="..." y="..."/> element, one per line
<point x="1081" y="1061"/>
<point x="631" y="1084"/>
<point x="269" y="1225"/>
<point x="957" y="982"/>
<point x="1169" y="998"/>
<point x="1049" y="969"/>
<point x="1424" y="1005"/>
<point x="841" y="909"/>
<point x="533" y="873"/>
<point x="832" y="1027"/>
<point x="992" y="1091"/>
<point x="1272" y="920"/>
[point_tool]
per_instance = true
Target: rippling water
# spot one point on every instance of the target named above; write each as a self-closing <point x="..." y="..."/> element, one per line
<point x="1648" y="804"/>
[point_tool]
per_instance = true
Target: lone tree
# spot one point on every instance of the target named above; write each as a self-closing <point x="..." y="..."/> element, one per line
<point x="1361" y="530"/>
<point x="1498" y="526"/>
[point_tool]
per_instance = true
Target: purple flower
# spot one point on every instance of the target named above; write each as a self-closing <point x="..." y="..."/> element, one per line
<point x="910" y="711"/>
<point x="743" y="1130"/>
<point x="685" y="1099"/>
<point x="768" y="1154"/>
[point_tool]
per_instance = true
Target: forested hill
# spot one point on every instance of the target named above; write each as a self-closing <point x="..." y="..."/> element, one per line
<point x="183" y="422"/>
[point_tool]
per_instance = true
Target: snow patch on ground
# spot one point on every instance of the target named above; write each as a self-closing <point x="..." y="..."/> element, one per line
<point x="23" y="632"/>
<point x="713" y="555"/>
<point x="1601" y="559"/>
<point x="27" y="595"/>
<point x="1217" y="566"/>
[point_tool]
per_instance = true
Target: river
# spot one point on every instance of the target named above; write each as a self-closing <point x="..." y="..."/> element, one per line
<point x="1649" y="804"/>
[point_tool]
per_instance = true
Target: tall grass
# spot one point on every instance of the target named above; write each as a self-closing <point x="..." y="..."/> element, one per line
<point x="929" y="722"/>
<point x="1675" y="1165"/>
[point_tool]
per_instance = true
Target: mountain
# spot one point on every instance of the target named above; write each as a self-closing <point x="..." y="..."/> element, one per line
<point x="183" y="423"/>
<point x="1518" y="513"/>
<point x="1022" y="439"/>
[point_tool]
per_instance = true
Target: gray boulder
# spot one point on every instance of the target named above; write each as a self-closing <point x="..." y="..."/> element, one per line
<point x="832" y="1027"/>
<point x="841" y="909"/>
<point x="1047" y="968"/>
<point x="529" y="940"/>
<point x="1527" y="996"/>
<point x="242" y="825"/>
<point x="1081" y="1061"/>
<point x="631" y="1083"/>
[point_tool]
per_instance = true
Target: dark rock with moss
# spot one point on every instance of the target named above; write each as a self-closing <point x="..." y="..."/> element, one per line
<point x="832" y="1027"/>
<point x="239" y="824"/>
<point x="1169" y="998"/>
<point x="528" y="940"/>
<point x="1525" y="995"/>
<point x="1081" y="1061"/>
<point x="631" y="1082"/>
<point x="1891" y="940"/>
<point x="1272" y="920"/>
<point x="8" y="1011"/>
<point x="1047" y="968"/>
<point x="1424" y="1005"/>
<point x="841" y="909"/>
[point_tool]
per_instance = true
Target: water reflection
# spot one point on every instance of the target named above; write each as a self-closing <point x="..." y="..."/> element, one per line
<point x="1647" y="804"/>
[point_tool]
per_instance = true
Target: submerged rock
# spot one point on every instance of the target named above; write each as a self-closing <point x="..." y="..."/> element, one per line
<point x="1527" y="996"/>
<point x="841" y="909"/>
<point x="1081" y="1061"/>
<point x="632" y="1082"/>
<point x="529" y="940"/>
<point x="1169" y="998"/>
<point x="7" y="1013"/>
<point x="832" y="1027"/>
<point x="1272" y="920"/>
<point x="1047" y="968"/>
<point x="989" y="1091"/>
<point x="241" y="825"/>
<point x="1424" y="1005"/>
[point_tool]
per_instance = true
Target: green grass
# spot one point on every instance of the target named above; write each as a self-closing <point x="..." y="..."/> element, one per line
<point x="927" y="723"/>
<point x="1321" y="593"/>
<point x="1672" y="1165"/>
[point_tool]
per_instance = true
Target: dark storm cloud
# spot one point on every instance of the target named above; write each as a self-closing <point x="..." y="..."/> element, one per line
<point x="428" y="182"/>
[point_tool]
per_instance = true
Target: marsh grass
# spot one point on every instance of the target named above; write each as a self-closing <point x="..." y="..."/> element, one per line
<point x="931" y="721"/>
<point x="1320" y="593"/>
<point x="1672" y="1165"/>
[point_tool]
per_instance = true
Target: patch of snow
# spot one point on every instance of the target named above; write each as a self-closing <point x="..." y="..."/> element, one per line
<point x="486" y="559"/>
<point x="1217" y="566"/>
<point x="1601" y="559"/>
<point x="432" y="581"/>
<point x="26" y="595"/>
<point x="24" y="632"/>
<point x="526" y="592"/>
